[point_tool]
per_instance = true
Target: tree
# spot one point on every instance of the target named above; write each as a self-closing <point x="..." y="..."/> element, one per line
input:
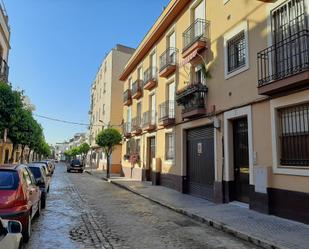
<point x="83" y="150"/>
<point x="108" y="139"/>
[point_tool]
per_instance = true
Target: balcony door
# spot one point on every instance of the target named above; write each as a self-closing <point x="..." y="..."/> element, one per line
<point x="153" y="63"/>
<point x="171" y="100"/>
<point x="199" y="11"/>
<point x="288" y="22"/>
<point x="152" y="104"/>
<point x="172" y="48"/>
<point x="129" y="118"/>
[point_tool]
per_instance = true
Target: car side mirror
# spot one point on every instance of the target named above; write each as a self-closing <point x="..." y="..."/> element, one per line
<point x="14" y="226"/>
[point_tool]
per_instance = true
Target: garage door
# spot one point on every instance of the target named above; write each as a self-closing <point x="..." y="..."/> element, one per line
<point x="200" y="162"/>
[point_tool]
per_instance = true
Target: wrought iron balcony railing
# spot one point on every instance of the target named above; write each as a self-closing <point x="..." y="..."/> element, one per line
<point x="136" y="125"/>
<point x="197" y="31"/>
<point x="150" y="78"/>
<point x="167" y="110"/>
<point x="168" y="58"/>
<point x="127" y="129"/>
<point x="137" y="89"/>
<point x="193" y="99"/>
<point x="127" y="98"/>
<point x="284" y="59"/>
<point x="149" y="120"/>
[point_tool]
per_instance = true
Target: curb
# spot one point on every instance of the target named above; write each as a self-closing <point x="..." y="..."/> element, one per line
<point x="212" y="223"/>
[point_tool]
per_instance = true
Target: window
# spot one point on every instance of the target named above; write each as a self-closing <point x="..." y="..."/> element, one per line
<point x="104" y="87"/>
<point x="130" y="83"/>
<point x="131" y="146"/>
<point x="294" y="135"/>
<point x="137" y="146"/>
<point x="26" y="177"/>
<point x="236" y="55"/>
<point x="199" y="75"/>
<point x="236" y="52"/>
<point x="103" y="110"/>
<point x="169" y="146"/>
<point x="140" y="73"/>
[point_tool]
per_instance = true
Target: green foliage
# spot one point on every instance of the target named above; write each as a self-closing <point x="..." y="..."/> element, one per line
<point x="108" y="139"/>
<point x="84" y="149"/>
<point x="22" y="128"/>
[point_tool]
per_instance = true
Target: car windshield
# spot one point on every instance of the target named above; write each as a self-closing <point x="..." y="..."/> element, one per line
<point x="76" y="161"/>
<point x="8" y="180"/>
<point x="36" y="172"/>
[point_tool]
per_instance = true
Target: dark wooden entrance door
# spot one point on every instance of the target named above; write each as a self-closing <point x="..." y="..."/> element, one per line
<point x="241" y="160"/>
<point x="200" y="162"/>
<point x="152" y="155"/>
<point x="6" y="156"/>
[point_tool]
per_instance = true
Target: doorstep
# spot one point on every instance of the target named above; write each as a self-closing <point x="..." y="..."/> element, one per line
<point x="267" y="231"/>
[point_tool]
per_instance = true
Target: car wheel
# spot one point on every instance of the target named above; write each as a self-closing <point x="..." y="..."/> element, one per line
<point x="38" y="212"/>
<point x="26" y="232"/>
<point x="81" y="171"/>
<point x="43" y="203"/>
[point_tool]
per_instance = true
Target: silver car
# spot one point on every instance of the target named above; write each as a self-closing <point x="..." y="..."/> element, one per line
<point x="10" y="234"/>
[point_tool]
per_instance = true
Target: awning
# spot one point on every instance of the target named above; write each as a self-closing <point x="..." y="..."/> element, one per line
<point x="189" y="58"/>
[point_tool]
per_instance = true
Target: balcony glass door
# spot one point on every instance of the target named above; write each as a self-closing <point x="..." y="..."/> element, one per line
<point x="129" y="117"/>
<point x="153" y="108"/>
<point x="199" y="14"/>
<point x="171" y="100"/>
<point x="153" y="62"/>
<point x="172" y="48"/>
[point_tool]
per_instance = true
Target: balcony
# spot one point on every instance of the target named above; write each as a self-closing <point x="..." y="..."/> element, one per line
<point x="150" y="78"/>
<point x="136" y="126"/>
<point x="4" y="71"/>
<point x="149" y="121"/>
<point x="127" y="97"/>
<point x="127" y="129"/>
<point x="168" y="62"/>
<point x="167" y="113"/>
<point x="284" y="66"/>
<point x="192" y="98"/>
<point x="137" y="90"/>
<point x="195" y="38"/>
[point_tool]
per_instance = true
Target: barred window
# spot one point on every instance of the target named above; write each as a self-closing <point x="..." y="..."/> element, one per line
<point x="169" y="146"/>
<point x="294" y="135"/>
<point x="236" y="52"/>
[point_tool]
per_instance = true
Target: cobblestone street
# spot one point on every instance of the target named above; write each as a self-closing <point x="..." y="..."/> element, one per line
<point x="85" y="212"/>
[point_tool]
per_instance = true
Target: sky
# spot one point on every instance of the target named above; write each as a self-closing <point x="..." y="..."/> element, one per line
<point x="58" y="45"/>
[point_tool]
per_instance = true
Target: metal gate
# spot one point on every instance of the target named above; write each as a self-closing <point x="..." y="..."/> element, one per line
<point x="200" y="162"/>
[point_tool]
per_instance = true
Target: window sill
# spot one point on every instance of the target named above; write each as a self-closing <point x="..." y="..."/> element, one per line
<point x="238" y="71"/>
<point x="291" y="170"/>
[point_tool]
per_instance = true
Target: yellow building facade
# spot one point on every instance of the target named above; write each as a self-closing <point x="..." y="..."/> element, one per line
<point x="216" y="104"/>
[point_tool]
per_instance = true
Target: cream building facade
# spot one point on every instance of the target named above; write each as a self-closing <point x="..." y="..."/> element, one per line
<point x="216" y="104"/>
<point x="4" y="44"/>
<point x="106" y="104"/>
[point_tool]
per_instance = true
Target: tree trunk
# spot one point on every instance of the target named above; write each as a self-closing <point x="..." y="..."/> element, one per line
<point x="22" y="154"/>
<point x="29" y="155"/>
<point x="107" y="169"/>
<point x="12" y="154"/>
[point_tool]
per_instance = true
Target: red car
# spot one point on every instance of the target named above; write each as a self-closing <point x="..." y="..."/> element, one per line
<point x="20" y="197"/>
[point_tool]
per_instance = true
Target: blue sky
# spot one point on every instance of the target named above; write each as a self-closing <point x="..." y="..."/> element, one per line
<point x="58" y="45"/>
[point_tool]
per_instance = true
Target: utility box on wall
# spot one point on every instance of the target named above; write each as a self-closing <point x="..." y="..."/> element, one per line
<point x="261" y="178"/>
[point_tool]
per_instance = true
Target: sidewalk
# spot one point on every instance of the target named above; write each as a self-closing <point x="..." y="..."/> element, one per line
<point x="266" y="231"/>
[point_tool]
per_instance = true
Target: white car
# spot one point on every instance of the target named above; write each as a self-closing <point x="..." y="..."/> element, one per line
<point x="10" y="234"/>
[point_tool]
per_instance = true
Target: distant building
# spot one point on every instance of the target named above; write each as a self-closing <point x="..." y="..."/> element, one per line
<point x="106" y="103"/>
<point x="60" y="148"/>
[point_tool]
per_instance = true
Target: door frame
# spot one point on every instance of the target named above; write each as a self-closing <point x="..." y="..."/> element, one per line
<point x="228" y="142"/>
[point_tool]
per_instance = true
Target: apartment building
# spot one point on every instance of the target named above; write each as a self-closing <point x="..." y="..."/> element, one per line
<point x="4" y="44"/>
<point x="216" y="104"/>
<point x="106" y="104"/>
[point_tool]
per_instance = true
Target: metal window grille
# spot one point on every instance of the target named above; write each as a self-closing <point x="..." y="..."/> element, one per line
<point x="236" y="50"/>
<point x="169" y="146"/>
<point x="294" y="135"/>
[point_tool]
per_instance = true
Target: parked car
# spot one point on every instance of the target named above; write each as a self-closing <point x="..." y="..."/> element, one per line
<point x="75" y="165"/>
<point x="20" y="197"/>
<point x="49" y="166"/>
<point x="42" y="181"/>
<point x="10" y="234"/>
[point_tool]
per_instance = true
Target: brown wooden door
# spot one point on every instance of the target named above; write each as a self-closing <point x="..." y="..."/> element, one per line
<point x="241" y="160"/>
<point x="151" y="156"/>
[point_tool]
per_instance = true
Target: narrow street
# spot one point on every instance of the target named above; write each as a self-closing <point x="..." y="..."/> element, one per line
<point x="101" y="215"/>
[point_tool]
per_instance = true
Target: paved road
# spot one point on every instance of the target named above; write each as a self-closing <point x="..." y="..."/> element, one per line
<point x="85" y="212"/>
